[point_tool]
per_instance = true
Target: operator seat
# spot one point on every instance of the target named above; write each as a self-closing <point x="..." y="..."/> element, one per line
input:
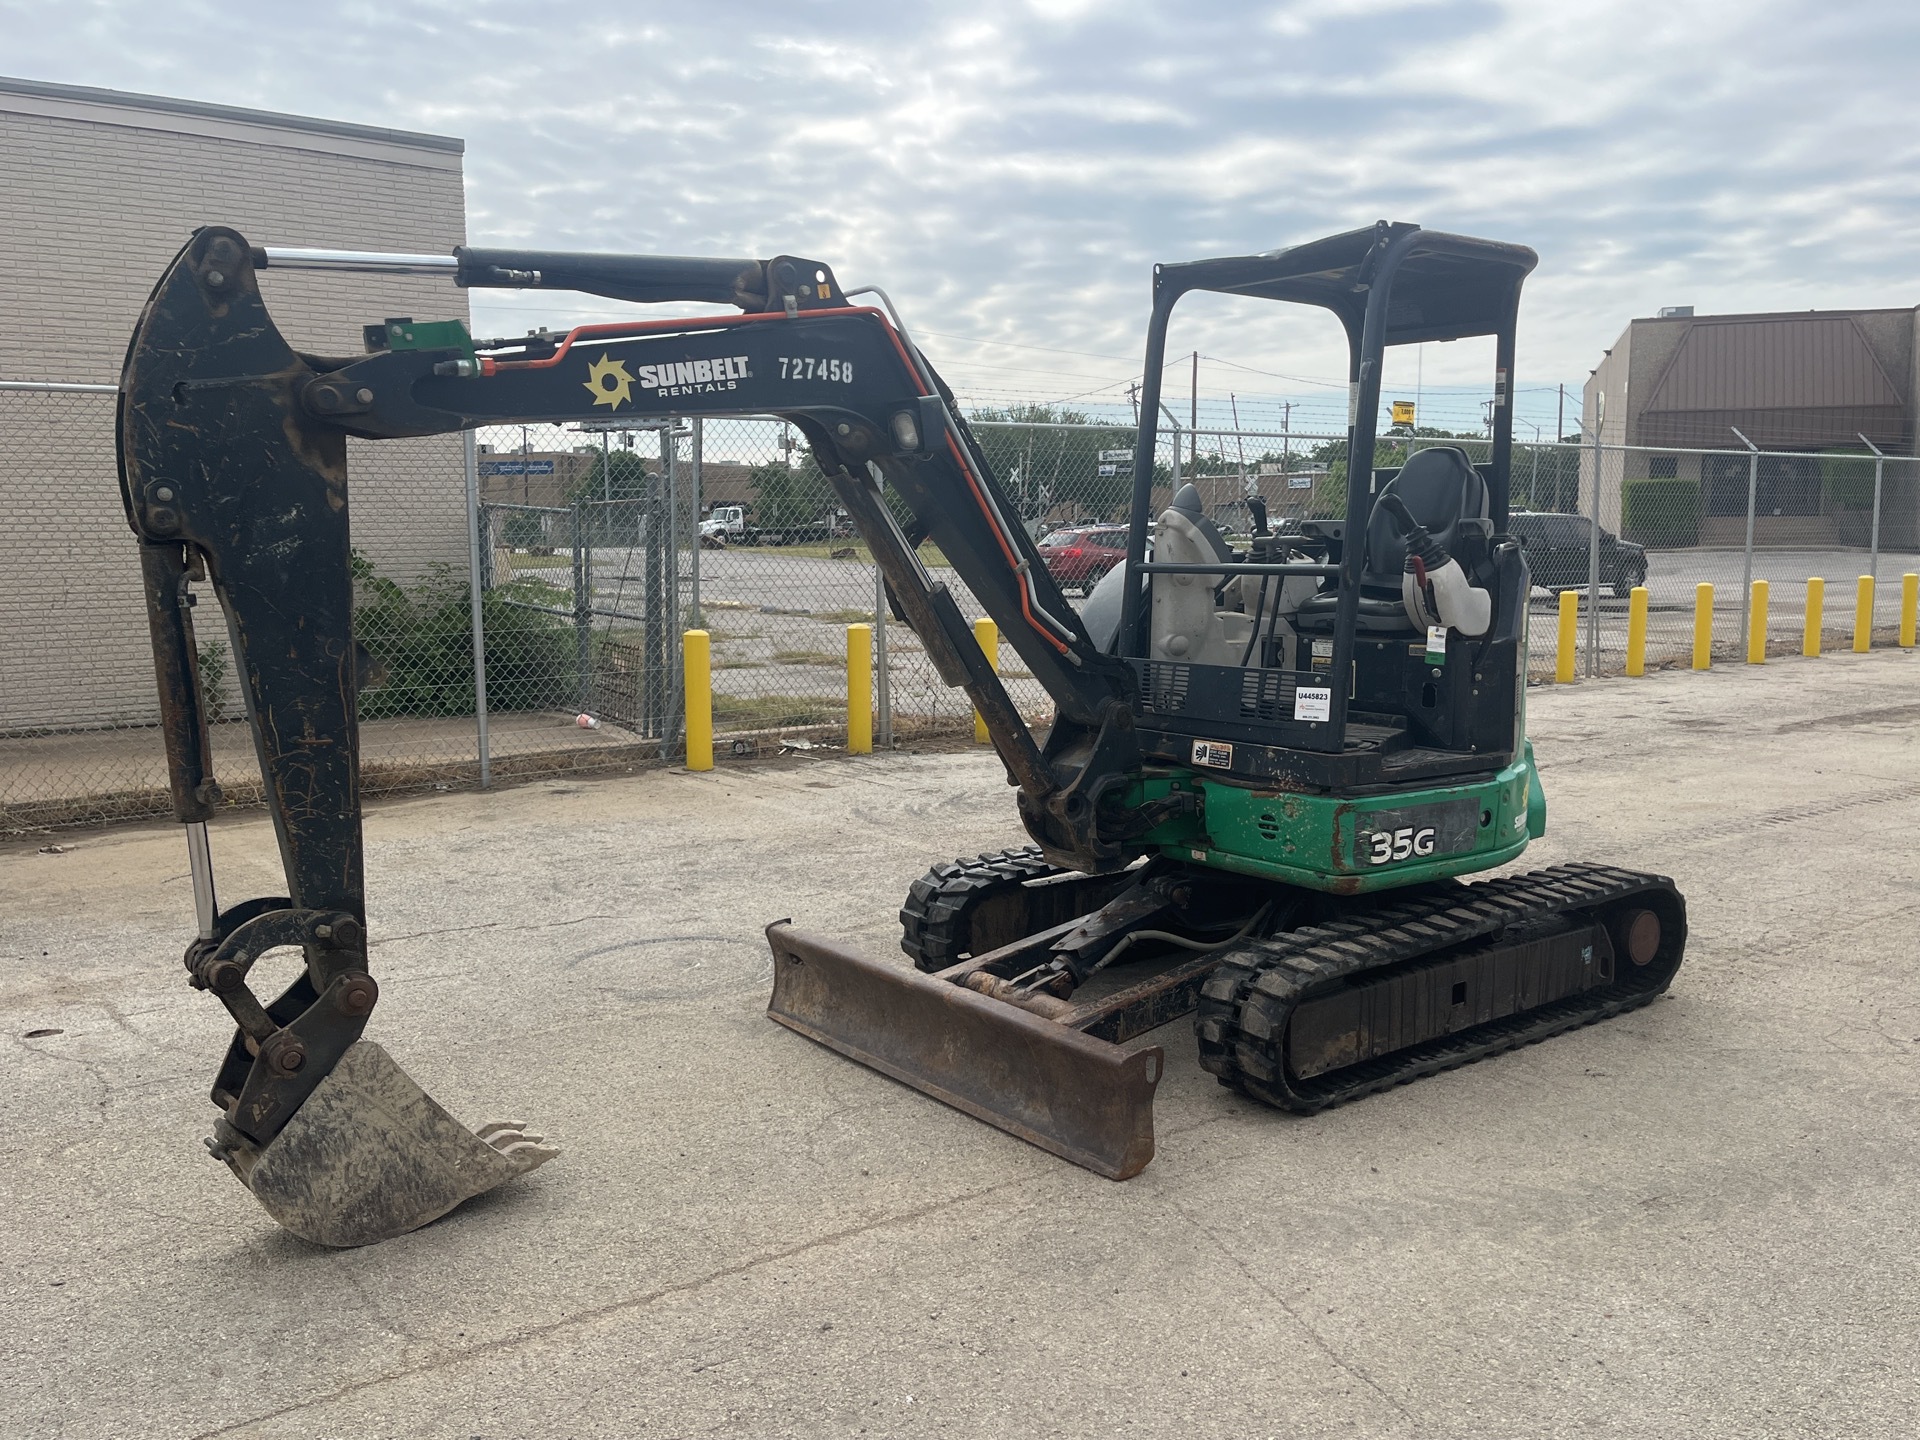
<point x="1442" y="490"/>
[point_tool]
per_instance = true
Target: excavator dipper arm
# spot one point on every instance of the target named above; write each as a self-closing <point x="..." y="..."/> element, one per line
<point x="871" y="408"/>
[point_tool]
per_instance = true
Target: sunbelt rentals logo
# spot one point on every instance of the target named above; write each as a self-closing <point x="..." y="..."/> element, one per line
<point x="612" y="384"/>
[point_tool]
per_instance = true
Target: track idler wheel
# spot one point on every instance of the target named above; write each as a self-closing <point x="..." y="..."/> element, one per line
<point x="975" y="905"/>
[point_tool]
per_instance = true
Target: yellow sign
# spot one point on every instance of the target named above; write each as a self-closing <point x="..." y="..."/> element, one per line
<point x="1403" y="412"/>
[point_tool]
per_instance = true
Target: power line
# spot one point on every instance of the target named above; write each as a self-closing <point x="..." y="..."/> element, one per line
<point x="1015" y="345"/>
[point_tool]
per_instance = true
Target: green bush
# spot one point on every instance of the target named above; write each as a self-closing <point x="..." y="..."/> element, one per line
<point x="1660" y="511"/>
<point x="420" y="642"/>
<point x="1848" y="482"/>
<point x="523" y="529"/>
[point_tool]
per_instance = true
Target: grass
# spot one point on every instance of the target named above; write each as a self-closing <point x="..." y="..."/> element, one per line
<point x="765" y="712"/>
<point x="807" y="657"/>
<point x="845" y="617"/>
<point x="929" y="554"/>
<point x="725" y="664"/>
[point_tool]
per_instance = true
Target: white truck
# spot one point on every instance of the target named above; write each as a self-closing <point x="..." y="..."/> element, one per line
<point x="725" y="525"/>
<point x="728" y="525"/>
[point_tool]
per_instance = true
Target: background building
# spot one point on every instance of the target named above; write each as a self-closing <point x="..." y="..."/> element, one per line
<point x="102" y="189"/>
<point x="1821" y="381"/>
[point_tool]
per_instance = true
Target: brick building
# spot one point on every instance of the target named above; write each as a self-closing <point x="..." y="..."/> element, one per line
<point x="102" y="189"/>
<point x="1805" y="383"/>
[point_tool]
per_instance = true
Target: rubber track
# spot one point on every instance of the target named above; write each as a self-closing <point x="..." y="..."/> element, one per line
<point x="1247" y="1004"/>
<point x="933" y="921"/>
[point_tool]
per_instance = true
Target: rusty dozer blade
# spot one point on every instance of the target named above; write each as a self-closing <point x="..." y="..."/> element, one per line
<point x="1086" y="1100"/>
<point x="370" y="1155"/>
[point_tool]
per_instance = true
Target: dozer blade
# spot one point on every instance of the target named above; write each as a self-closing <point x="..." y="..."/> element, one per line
<point x="1084" y="1099"/>
<point x="370" y="1156"/>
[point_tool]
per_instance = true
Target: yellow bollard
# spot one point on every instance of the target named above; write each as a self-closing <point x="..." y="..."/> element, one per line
<point x="1863" y="616"/>
<point x="988" y="634"/>
<point x="697" y="667"/>
<point x="1569" y="637"/>
<point x="1757" y="625"/>
<point x="1816" y="605"/>
<point x="1637" y="631"/>
<point x="1703" y="626"/>
<point x="1909" y="608"/>
<point x="859" y="689"/>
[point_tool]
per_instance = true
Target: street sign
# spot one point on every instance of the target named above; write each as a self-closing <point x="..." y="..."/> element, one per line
<point x="1403" y="412"/>
<point x="1116" y="456"/>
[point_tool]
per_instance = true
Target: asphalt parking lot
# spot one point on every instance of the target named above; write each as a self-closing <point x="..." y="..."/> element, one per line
<point x="1698" y="1220"/>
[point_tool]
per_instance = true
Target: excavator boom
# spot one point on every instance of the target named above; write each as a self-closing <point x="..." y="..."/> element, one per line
<point x="233" y="470"/>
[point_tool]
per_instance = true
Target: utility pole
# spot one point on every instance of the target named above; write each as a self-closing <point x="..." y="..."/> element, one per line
<point x="1234" y="401"/>
<point x="1559" y="434"/>
<point x="1193" y="419"/>
<point x="1286" y="441"/>
<point x="1133" y="399"/>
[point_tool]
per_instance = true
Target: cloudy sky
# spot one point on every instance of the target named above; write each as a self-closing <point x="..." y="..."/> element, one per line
<point x="1009" y="169"/>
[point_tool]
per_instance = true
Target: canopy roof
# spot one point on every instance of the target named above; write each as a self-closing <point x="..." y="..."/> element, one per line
<point x="1447" y="286"/>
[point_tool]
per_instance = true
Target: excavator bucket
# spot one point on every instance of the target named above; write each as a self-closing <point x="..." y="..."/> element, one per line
<point x="370" y="1156"/>
<point x="1085" y="1099"/>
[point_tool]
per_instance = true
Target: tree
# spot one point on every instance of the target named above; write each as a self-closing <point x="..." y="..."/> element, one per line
<point x="611" y="475"/>
<point x="790" y="494"/>
<point x="1042" y="461"/>
<point x="618" y="476"/>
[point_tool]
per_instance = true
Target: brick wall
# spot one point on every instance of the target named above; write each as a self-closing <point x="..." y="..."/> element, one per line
<point x="101" y="191"/>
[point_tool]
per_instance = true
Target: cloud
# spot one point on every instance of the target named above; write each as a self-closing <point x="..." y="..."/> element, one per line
<point x="1011" y="171"/>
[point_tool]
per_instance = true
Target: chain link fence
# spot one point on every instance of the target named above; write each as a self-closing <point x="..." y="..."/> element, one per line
<point x="79" y="737"/>
<point x="595" y="548"/>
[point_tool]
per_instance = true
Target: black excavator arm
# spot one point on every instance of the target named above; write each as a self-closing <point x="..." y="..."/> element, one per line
<point x="246" y="436"/>
<point x="233" y="467"/>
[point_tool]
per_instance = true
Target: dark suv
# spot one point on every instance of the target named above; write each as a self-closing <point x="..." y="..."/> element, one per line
<point x="1560" y="546"/>
<point x="1080" y="555"/>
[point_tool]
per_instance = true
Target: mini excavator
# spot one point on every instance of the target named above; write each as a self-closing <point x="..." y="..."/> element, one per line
<point x="1269" y="767"/>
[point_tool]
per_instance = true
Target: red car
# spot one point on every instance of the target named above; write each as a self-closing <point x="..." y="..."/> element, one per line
<point x="1081" y="554"/>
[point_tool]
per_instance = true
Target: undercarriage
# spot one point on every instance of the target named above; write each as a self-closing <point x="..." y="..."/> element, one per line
<point x="1027" y="1016"/>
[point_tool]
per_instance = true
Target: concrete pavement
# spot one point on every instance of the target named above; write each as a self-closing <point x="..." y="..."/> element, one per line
<point x="1697" y="1220"/>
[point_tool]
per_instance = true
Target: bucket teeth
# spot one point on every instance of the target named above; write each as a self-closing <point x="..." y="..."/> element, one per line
<point x="512" y="1139"/>
<point x="370" y="1156"/>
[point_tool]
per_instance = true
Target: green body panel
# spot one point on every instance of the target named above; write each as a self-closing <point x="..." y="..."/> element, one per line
<point x="1354" y="845"/>
<point x="429" y="335"/>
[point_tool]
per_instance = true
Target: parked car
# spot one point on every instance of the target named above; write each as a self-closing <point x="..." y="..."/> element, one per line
<point x="1080" y="555"/>
<point x="1559" y="548"/>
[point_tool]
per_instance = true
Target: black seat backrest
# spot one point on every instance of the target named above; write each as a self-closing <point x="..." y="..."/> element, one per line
<point x="1444" y="493"/>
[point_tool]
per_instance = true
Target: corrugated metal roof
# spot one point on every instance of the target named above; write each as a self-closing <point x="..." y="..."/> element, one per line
<point x="1805" y="362"/>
